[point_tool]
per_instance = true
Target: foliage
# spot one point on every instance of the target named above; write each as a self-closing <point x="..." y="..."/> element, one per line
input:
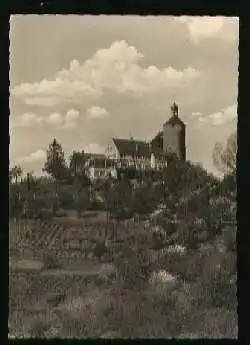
<point x="66" y="197"/>
<point x="225" y="156"/>
<point x="77" y="163"/>
<point x="51" y="262"/>
<point x="118" y="198"/>
<point x="144" y="200"/>
<point x="197" y="214"/>
<point x="81" y="200"/>
<point x="55" y="164"/>
<point x="15" y="173"/>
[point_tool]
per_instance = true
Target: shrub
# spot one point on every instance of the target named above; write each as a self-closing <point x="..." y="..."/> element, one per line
<point x="61" y="214"/>
<point x="51" y="262"/>
<point x="134" y="267"/>
<point x="43" y="214"/>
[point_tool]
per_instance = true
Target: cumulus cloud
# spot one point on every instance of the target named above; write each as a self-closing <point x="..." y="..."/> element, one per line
<point x="37" y="156"/>
<point x="94" y="148"/>
<point x="28" y="120"/>
<point x="55" y="119"/>
<point x="97" y="113"/>
<point x="221" y="117"/>
<point x="64" y="122"/>
<point x="115" y="68"/>
<point x="210" y="27"/>
<point x="72" y="115"/>
<point x="70" y="120"/>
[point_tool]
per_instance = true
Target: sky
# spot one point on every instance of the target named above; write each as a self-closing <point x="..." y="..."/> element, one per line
<point x="84" y="79"/>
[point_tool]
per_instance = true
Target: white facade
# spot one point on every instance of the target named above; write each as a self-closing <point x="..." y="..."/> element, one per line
<point x="111" y="151"/>
<point x="95" y="173"/>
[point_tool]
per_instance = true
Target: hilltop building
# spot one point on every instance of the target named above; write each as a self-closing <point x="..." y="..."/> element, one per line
<point x="141" y="155"/>
<point x="174" y="135"/>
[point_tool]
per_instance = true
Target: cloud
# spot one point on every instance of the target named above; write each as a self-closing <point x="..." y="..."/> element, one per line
<point x="221" y="117"/>
<point x="28" y="120"/>
<point x="97" y="113"/>
<point x="115" y="68"/>
<point x="68" y="126"/>
<point x="72" y="115"/>
<point x="94" y="148"/>
<point x="196" y="114"/>
<point x="37" y="156"/>
<point x="70" y="120"/>
<point x="55" y="119"/>
<point x="210" y="27"/>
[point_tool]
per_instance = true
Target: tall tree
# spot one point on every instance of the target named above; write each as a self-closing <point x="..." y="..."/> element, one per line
<point x="77" y="163"/>
<point x="224" y="156"/>
<point x="55" y="164"/>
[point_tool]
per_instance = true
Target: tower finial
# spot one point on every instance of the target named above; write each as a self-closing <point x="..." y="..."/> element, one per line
<point x="174" y="109"/>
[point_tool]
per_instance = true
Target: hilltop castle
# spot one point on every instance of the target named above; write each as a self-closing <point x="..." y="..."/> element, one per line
<point x="142" y="155"/>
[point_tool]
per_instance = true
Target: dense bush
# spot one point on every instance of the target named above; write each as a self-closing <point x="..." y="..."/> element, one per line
<point x="51" y="261"/>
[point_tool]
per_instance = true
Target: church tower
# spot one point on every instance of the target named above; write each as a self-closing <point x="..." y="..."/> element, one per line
<point x="174" y="134"/>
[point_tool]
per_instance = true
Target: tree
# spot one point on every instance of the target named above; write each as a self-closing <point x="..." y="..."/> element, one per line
<point x="118" y="198"/>
<point x="182" y="177"/>
<point x="81" y="200"/>
<point x="30" y="180"/>
<point x="144" y="199"/>
<point x="81" y="181"/>
<point x="55" y="164"/>
<point x="77" y="163"/>
<point x="16" y="172"/>
<point x="224" y="157"/>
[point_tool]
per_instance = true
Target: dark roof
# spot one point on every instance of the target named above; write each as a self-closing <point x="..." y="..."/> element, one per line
<point x="175" y="120"/>
<point x="132" y="147"/>
<point x="137" y="148"/>
<point x="157" y="141"/>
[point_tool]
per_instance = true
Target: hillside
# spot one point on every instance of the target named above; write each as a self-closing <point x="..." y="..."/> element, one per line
<point x="159" y="263"/>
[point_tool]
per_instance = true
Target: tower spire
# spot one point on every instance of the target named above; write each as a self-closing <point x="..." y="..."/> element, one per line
<point x="174" y="109"/>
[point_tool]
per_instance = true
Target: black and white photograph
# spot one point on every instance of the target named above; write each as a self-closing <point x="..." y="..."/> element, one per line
<point x="122" y="176"/>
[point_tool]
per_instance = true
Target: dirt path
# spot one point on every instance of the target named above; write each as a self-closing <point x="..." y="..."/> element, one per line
<point x="87" y="270"/>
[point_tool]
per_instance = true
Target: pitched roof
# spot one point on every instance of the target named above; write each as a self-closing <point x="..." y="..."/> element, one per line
<point x="137" y="148"/>
<point x="132" y="147"/>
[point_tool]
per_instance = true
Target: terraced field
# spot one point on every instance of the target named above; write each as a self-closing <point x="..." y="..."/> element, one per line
<point x="34" y="292"/>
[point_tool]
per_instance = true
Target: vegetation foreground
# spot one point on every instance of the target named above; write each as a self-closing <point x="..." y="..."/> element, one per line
<point x="159" y="263"/>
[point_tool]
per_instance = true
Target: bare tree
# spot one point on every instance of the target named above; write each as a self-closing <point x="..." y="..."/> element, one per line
<point x="224" y="157"/>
